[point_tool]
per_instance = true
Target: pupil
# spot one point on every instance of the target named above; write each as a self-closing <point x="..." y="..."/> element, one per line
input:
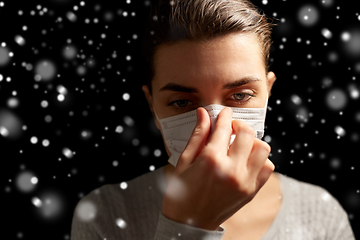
<point x="182" y="101"/>
<point x="240" y="96"/>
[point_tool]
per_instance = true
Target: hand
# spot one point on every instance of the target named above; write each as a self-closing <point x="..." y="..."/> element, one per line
<point x="211" y="182"/>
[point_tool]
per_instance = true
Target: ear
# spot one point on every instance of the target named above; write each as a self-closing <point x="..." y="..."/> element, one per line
<point x="271" y="77"/>
<point x="150" y="102"/>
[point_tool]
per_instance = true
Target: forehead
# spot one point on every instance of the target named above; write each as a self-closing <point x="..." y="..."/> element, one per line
<point x="228" y="56"/>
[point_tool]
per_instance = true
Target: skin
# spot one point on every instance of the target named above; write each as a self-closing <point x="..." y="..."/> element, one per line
<point x="244" y="169"/>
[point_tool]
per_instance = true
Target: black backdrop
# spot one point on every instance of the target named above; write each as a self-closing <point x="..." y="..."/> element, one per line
<point x="73" y="116"/>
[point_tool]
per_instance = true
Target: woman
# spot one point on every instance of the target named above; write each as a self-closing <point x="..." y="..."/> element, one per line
<point x="208" y="86"/>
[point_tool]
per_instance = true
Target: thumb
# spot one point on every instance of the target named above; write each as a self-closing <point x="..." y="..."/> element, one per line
<point x="196" y="141"/>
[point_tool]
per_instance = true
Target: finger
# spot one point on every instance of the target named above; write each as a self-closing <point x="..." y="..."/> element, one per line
<point x="220" y="137"/>
<point x="264" y="174"/>
<point x="258" y="156"/>
<point x="241" y="148"/>
<point x="196" y="141"/>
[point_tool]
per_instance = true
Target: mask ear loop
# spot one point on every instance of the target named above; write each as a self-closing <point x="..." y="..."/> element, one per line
<point x="267" y="98"/>
<point x="156" y="116"/>
<point x="265" y="110"/>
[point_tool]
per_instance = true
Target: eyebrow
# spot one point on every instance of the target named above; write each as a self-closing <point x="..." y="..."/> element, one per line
<point x="181" y="88"/>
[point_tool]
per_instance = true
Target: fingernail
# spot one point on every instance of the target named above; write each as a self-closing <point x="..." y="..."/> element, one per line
<point x="229" y="111"/>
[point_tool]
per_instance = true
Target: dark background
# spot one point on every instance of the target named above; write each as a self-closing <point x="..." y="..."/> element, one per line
<point x="98" y="136"/>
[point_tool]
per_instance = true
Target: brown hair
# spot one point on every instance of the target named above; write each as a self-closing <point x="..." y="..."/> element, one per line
<point x="171" y="21"/>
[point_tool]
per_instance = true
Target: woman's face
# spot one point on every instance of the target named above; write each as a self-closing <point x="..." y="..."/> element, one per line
<point x="228" y="70"/>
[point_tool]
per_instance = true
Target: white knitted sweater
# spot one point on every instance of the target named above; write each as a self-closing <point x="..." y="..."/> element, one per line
<point x="112" y="212"/>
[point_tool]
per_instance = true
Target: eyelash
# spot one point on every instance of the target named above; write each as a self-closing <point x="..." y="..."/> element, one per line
<point x="240" y="102"/>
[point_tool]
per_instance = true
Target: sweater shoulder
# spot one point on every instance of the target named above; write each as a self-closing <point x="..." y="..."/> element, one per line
<point x="309" y="192"/>
<point x="124" y="209"/>
<point x="130" y="188"/>
<point x="313" y="207"/>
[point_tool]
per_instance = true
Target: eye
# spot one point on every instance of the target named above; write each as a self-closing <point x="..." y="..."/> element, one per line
<point x="239" y="96"/>
<point x="182" y="102"/>
<point x="242" y="97"/>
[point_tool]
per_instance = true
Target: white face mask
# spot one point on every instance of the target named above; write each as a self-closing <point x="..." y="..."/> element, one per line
<point x="177" y="129"/>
